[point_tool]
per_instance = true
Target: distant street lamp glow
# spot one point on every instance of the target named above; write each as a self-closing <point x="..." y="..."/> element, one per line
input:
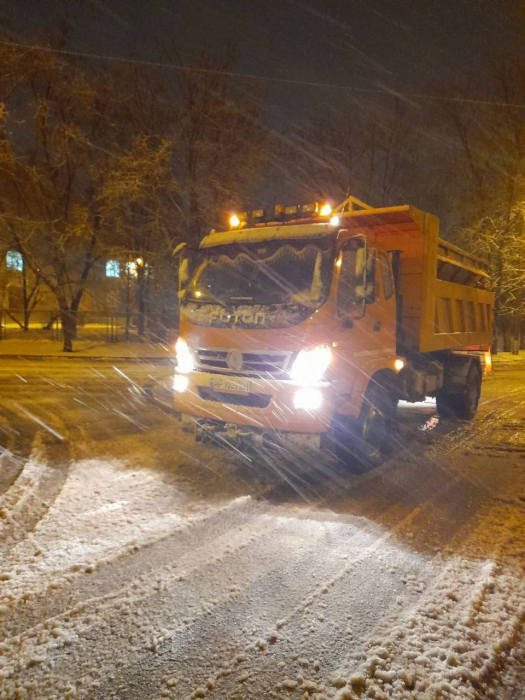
<point x="234" y="221"/>
<point x="326" y="210"/>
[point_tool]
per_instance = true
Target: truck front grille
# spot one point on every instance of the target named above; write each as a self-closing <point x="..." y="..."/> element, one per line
<point x="260" y="364"/>
<point x="252" y="400"/>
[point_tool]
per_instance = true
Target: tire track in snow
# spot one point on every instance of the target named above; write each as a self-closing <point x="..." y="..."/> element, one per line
<point x="106" y="611"/>
<point x="136" y="654"/>
<point x="86" y="622"/>
<point x="307" y="601"/>
<point x="306" y="552"/>
<point x="456" y="639"/>
<point x="31" y="495"/>
<point x="451" y="644"/>
<point x="412" y="515"/>
<point x="63" y="591"/>
<point x="419" y="513"/>
<point x="103" y="647"/>
<point x="10" y="468"/>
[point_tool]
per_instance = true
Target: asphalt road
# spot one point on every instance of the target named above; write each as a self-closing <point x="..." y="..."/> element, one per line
<point x="137" y="564"/>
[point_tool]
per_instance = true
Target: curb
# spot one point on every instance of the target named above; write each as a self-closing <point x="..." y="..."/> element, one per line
<point x="95" y="358"/>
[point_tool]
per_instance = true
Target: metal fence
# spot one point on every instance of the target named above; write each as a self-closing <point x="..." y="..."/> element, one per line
<point x="110" y="327"/>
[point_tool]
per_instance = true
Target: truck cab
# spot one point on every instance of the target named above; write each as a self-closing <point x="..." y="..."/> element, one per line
<point x="311" y="330"/>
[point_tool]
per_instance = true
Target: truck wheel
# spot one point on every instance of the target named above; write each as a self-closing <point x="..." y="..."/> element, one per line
<point x="366" y="439"/>
<point x="376" y="423"/>
<point x="461" y="405"/>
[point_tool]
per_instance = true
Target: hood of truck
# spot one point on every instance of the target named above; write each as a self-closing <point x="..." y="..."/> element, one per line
<point x="317" y="329"/>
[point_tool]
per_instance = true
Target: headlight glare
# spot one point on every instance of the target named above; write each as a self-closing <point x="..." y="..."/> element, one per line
<point x="180" y="383"/>
<point x="310" y="365"/>
<point x="308" y="398"/>
<point x="184" y="357"/>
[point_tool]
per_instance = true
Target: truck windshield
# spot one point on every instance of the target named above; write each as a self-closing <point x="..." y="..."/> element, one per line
<point x="264" y="273"/>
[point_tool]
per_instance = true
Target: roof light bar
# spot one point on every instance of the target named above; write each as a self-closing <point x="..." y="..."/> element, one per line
<point x="310" y="209"/>
<point x="259" y="217"/>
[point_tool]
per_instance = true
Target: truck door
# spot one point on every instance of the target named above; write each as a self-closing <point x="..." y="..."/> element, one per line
<point x="366" y="338"/>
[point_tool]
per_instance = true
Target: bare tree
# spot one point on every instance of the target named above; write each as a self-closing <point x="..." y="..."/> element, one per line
<point x="490" y="169"/>
<point x="220" y="145"/>
<point x="117" y="159"/>
<point x="133" y="199"/>
<point x="365" y="152"/>
<point x="60" y="143"/>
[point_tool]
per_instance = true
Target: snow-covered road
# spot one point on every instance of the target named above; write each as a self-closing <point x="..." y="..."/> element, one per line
<point x="135" y="564"/>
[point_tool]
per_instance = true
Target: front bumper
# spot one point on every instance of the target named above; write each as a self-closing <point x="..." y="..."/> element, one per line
<point x="268" y="404"/>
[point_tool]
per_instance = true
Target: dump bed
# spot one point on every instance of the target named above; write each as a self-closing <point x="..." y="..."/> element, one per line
<point x="444" y="301"/>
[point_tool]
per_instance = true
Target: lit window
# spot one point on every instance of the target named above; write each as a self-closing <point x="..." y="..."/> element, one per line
<point x="131" y="269"/>
<point x="112" y="268"/>
<point x="14" y="260"/>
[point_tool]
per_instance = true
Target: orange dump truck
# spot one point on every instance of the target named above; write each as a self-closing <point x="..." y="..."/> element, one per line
<point x="311" y="330"/>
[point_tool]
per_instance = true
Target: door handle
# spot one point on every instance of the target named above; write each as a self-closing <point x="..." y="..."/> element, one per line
<point x="377" y="326"/>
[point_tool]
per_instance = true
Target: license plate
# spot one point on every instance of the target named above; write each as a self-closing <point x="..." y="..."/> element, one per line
<point x="237" y="385"/>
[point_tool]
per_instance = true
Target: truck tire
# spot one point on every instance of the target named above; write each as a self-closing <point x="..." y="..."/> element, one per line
<point x="461" y="405"/>
<point x="364" y="441"/>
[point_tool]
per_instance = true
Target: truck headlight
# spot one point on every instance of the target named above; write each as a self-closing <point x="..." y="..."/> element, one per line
<point x="310" y="365"/>
<point x="184" y="357"/>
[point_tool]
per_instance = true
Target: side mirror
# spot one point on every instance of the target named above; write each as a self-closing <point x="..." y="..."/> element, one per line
<point x="189" y="261"/>
<point x="364" y="277"/>
<point x="370" y="277"/>
<point x="356" y="284"/>
<point x="183" y="253"/>
<point x="184" y="276"/>
<point x="179" y="248"/>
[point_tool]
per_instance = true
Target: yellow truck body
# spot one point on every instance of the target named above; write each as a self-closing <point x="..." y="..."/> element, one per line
<point x="416" y="325"/>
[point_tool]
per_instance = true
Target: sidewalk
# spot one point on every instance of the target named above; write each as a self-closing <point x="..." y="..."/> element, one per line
<point x="93" y="349"/>
<point x="98" y="348"/>
<point x="503" y="358"/>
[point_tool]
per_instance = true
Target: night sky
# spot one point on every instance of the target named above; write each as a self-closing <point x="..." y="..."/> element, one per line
<point x="410" y="45"/>
<point x="434" y="48"/>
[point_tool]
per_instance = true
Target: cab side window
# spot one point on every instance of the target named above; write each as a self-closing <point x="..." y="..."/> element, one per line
<point x="346" y="290"/>
<point x="386" y="274"/>
<point x="351" y="290"/>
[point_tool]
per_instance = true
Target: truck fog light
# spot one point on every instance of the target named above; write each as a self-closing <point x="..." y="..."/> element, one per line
<point x="309" y="399"/>
<point x="180" y="383"/>
<point x="184" y="357"/>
